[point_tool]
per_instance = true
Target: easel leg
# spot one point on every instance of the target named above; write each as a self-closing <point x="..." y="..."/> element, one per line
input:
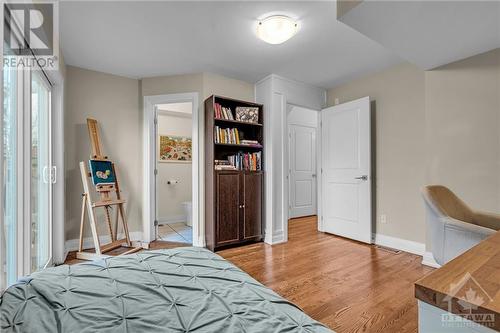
<point x="82" y="222"/>
<point x="90" y="209"/>
<point x="124" y="223"/>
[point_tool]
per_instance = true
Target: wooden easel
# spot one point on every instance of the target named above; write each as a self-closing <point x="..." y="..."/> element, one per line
<point x="109" y="197"/>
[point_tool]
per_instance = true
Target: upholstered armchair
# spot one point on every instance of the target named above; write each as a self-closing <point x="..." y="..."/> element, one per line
<point x="454" y="227"/>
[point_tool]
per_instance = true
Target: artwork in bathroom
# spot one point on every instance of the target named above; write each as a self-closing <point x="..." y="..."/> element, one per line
<point x="175" y="149"/>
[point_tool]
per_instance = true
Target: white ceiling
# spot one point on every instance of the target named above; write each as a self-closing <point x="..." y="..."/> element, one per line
<point x="145" y="39"/>
<point x="429" y="33"/>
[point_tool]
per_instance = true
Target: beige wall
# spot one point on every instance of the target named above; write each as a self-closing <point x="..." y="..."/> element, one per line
<point x="111" y="100"/>
<point x="439" y="126"/>
<point x="117" y="103"/>
<point x="462" y="112"/>
<point x="214" y="84"/>
<point x="400" y="153"/>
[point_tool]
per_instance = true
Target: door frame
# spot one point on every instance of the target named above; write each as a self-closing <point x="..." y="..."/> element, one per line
<point x="149" y="164"/>
<point x="288" y="137"/>
<point x="286" y="166"/>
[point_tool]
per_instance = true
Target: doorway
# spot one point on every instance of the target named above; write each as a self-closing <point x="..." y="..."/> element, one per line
<point x="157" y="188"/>
<point x="302" y="126"/>
<point x="174" y="176"/>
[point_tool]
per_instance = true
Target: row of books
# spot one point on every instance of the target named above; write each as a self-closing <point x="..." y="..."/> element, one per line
<point x="222" y="112"/>
<point x="226" y="135"/>
<point x="241" y="161"/>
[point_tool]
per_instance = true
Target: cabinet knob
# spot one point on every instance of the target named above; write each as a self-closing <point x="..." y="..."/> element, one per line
<point x="242" y="206"/>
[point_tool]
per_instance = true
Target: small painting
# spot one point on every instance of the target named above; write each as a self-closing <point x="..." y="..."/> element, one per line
<point x="175" y="149"/>
<point x="102" y="172"/>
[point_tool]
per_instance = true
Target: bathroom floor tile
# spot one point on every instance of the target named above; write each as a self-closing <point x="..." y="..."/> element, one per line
<point x="178" y="226"/>
<point x="174" y="238"/>
<point x="176" y="232"/>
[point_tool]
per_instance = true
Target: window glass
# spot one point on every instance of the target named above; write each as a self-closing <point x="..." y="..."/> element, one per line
<point x="40" y="172"/>
<point x="8" y="235"/>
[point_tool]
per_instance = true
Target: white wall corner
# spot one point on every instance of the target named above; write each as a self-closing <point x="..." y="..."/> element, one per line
<point x="428" y="260"/>
<point x="400" y="244"/>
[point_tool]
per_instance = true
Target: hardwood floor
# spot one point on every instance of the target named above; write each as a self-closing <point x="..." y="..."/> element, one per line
<point x="349" y="286"/>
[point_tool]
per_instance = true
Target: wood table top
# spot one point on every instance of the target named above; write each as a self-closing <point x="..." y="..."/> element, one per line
<point x="468" y="285"/>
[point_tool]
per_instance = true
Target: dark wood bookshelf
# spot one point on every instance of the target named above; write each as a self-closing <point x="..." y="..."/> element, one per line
<point x="228" y="121"/>
<point x="239" y="145"/>
<point x="234" y="199"/>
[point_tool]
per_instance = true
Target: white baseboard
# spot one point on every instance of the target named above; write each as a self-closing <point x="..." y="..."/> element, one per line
<point x="400" y="244"/>
<point x="172" y="219"/>
<point x="428" y="260"/>
<point x="88" y="242"/>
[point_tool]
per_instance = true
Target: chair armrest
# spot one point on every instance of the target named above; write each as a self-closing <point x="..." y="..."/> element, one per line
<point x="460" y="236"/>
<point x="487" y="220"/>
<point x="457" y="225"/>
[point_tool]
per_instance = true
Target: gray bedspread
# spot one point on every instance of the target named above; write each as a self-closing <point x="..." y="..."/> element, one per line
<point x="177" y="290"/>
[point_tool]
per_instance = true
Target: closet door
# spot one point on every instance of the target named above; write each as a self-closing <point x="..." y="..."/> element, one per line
<point x="228" y="208"/>
<point x="252" y="202"/>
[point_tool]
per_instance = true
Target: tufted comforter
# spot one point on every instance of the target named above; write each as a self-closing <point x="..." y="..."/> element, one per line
<point x="177" y="290"/>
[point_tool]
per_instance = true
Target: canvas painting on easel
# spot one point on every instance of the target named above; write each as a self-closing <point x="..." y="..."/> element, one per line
<point x="102" y="172"/>
<point x="175" y="149"/>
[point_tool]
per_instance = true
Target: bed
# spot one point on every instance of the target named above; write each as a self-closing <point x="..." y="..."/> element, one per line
<point x="177" y="290"/>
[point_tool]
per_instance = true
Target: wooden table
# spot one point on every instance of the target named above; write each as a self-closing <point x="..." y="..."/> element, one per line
<point x="467" y="285"/>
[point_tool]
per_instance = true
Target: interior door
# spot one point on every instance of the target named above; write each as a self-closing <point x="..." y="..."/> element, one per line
<point x="302" y="172"/>
<point x="346" y="170"/>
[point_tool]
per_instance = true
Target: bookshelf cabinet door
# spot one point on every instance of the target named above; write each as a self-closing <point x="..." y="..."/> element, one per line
<point x="228" y="207"/>
<point x="252" y="226"/>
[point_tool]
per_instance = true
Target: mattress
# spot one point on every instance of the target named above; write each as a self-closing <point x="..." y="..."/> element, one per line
<point x="176" y="290"/>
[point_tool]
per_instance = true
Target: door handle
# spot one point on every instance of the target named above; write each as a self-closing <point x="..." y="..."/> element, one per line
<point x="314" y="175"/>
<point x="364" y="177"/>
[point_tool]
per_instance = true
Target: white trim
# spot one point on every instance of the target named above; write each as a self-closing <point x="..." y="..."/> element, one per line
<point x="400" y="244"/>
<point x="172" y="219"/>
<point x="277" y="238"/>
<point x="428" y="260"/>
<point x="88" y="242"/>
<point x="149" y="156"/>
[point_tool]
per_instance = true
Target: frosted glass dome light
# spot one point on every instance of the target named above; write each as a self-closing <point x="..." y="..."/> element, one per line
<point x="276" y="29"/>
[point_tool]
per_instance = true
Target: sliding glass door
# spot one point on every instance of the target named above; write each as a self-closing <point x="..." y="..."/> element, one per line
<point x="27" y="174"/>
<point x="41" y="172"/>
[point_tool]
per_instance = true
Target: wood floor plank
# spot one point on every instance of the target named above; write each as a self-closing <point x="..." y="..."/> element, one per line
<point x="347" y="285"/>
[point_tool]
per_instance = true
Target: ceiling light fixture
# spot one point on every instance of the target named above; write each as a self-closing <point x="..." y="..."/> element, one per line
<point x="277" y="29"/>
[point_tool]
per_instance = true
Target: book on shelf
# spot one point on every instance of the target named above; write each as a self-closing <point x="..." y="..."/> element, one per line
<point x="223" y="165"/>
<point x="242" y="161"/>
<point x="250" y="142"/>
<point x="222" y="112"/>
<point x="226" y="135"/>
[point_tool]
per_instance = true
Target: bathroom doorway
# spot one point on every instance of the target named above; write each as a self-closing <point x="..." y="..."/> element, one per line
<point x="174" y="172"/>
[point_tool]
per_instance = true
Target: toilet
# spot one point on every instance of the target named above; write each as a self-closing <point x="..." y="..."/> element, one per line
<point x="187" y="206"/>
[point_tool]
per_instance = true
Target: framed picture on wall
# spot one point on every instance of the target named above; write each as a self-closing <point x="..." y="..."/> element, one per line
<point x="175" y="149"/>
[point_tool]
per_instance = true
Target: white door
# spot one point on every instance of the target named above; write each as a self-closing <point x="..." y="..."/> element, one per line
<point x="302" y="172"/>
<point x="346" y="170"/>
